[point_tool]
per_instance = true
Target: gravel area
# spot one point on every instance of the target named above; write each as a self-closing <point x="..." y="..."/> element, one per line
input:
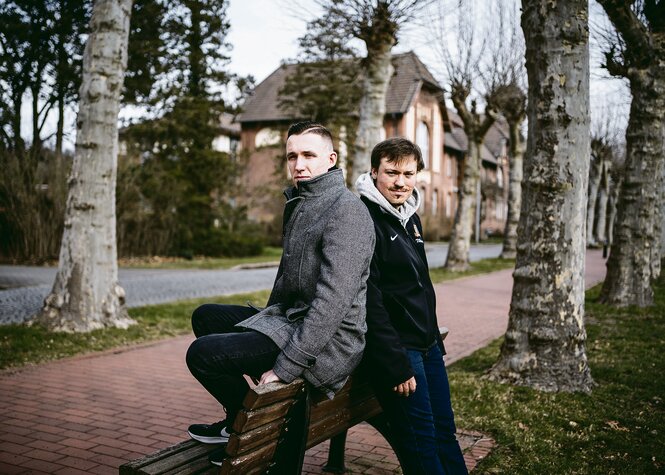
<point x="25" y="287"/>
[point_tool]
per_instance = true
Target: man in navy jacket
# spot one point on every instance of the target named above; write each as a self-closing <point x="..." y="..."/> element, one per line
<point x="404" y="352"/>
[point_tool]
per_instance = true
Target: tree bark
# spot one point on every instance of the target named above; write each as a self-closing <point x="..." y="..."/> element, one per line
<point x="86" y="294"/>
<point x="376" y="78"/>
<point x="634" y="260"/>
<point x="544" y="346"/>
<point x="509" y="250"/>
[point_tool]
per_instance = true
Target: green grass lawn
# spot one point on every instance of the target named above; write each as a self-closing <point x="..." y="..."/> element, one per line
<point x="269" y="254"/>
<point x="617" y="429"/>
<point x="441" y="274"/>
<point x="20" y="345"/>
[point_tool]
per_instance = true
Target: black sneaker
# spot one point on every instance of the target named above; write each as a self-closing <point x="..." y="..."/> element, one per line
<point x="217" y="456"/>
<point x="209" y="433"/>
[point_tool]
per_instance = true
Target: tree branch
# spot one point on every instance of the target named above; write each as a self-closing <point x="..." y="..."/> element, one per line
<point x="632" y="30"/>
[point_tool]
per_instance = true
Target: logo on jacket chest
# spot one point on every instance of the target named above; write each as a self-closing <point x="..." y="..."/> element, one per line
<point x="416" y="235"/>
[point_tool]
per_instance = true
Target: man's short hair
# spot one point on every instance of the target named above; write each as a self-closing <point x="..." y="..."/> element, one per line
<point x="396" y="149"/>
<point x="309" y="127"/>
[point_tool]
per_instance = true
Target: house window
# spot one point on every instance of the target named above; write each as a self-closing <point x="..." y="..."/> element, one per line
<point x="422" y="140"/>
<point x="449" y="205"/>
<point x="267" y="137"/>
<point x="499" y="177"/>
<point x="435" y="202"/>
<point x="498" y="212"/>
<point x="422" y="201"/>
<point x="449" y="166"/>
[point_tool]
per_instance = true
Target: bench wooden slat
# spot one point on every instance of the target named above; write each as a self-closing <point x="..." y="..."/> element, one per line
<point x="256" y="459"/>
<point x="248" y="420"/>
<point x="169" y="458"/>
<point x="322" y="430"/>
<point x="352" y="393"/>
<point x="241" y="443"/>
<point x="265" y="394"/>
<point x="199" y="466"/>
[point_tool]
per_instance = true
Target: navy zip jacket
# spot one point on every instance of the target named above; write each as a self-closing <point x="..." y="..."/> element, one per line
<point x="401" y="304"/>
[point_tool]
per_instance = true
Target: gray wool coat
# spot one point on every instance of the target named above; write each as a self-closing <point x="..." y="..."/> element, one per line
<point x="316" y="311"/>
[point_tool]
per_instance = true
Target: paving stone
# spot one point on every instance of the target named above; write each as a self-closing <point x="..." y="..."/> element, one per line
<point x="119" y="405"/>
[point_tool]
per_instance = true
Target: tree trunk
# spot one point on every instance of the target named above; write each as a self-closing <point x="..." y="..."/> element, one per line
<point x="634" y="260"/>
<point x="61" y="125"/>
<point x="603" y="196"/>
<point x="615" y="186"/>
<point x="509" y="250"/>
<point x="19" y="145"/>
<point x="594" y="180"/>
<point x="544" y="346"/>
<point x="377" y="75"/>
<point x="460" y="237"/>
<point x="86" y="294"/>
<point x="36" y="140"/>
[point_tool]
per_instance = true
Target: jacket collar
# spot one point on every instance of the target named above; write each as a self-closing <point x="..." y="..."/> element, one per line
<point x="332" y="179"/>
<point x="367" y="189"/>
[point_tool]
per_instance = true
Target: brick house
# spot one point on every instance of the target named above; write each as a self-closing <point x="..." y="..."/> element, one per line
<point x="415" y="109"/>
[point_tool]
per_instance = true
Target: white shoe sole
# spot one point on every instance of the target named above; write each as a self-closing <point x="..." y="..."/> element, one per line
<point x="222" y="439"/>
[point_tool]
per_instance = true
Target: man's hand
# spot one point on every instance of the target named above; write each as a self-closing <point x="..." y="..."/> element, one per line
<point x="407" y="388"/>
<point x="269" y="377"/>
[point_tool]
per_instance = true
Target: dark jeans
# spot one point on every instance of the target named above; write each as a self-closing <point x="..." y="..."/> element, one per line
<point x="422" y="424"/>
<point x="223" y="353"/>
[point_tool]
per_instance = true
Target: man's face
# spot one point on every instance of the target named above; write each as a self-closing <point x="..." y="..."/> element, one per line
<point x="396" y="180"/>
<point x="308" y="156"/>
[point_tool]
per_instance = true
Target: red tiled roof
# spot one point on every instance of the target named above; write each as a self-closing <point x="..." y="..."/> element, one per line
<point x="410" y="75"/>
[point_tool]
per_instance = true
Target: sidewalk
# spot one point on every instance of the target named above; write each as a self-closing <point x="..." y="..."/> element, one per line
<point x="90" y="414"/>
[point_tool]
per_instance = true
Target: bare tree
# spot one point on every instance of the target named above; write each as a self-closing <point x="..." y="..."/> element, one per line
<point x="86" y="294"/>
<point x="637" y="54"/>
<point x="544" y="345"/>
<point x="463" y="70"/>
<point x="511" y="101"/>
<point x="599" y="184"/>
<point x="507" y="86"/>
<point x="377" y="23"/>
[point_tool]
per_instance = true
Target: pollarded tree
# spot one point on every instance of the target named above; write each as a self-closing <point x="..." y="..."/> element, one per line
<point x="86" y="294"/>
<point x="463" y="74"/>
<point x="638" y="54"/>
<point x="601" y="159"/>
<point x="544" y="345"/>
<point x="511" y="101"/>
<point x="377" y="24"/>
<point x="476" y="126"/>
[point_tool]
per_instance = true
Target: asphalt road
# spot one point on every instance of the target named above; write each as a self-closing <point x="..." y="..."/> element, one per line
<point x="25" y="287"/>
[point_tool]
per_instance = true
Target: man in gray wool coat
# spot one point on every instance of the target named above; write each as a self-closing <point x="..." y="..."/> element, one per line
<point x="314" y="324"/>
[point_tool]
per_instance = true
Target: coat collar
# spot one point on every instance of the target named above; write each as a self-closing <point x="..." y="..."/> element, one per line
<point x="332" y="179"/>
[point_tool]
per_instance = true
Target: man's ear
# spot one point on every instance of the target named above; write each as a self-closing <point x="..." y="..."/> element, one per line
<point x="333" y="158"/>
<point x="374" y="173"/>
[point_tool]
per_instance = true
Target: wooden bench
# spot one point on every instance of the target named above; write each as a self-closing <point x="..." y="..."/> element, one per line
<point x="269" y="431"/>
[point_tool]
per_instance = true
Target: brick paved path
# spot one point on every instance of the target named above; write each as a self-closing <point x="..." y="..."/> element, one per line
<point x="90" y="414"/>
